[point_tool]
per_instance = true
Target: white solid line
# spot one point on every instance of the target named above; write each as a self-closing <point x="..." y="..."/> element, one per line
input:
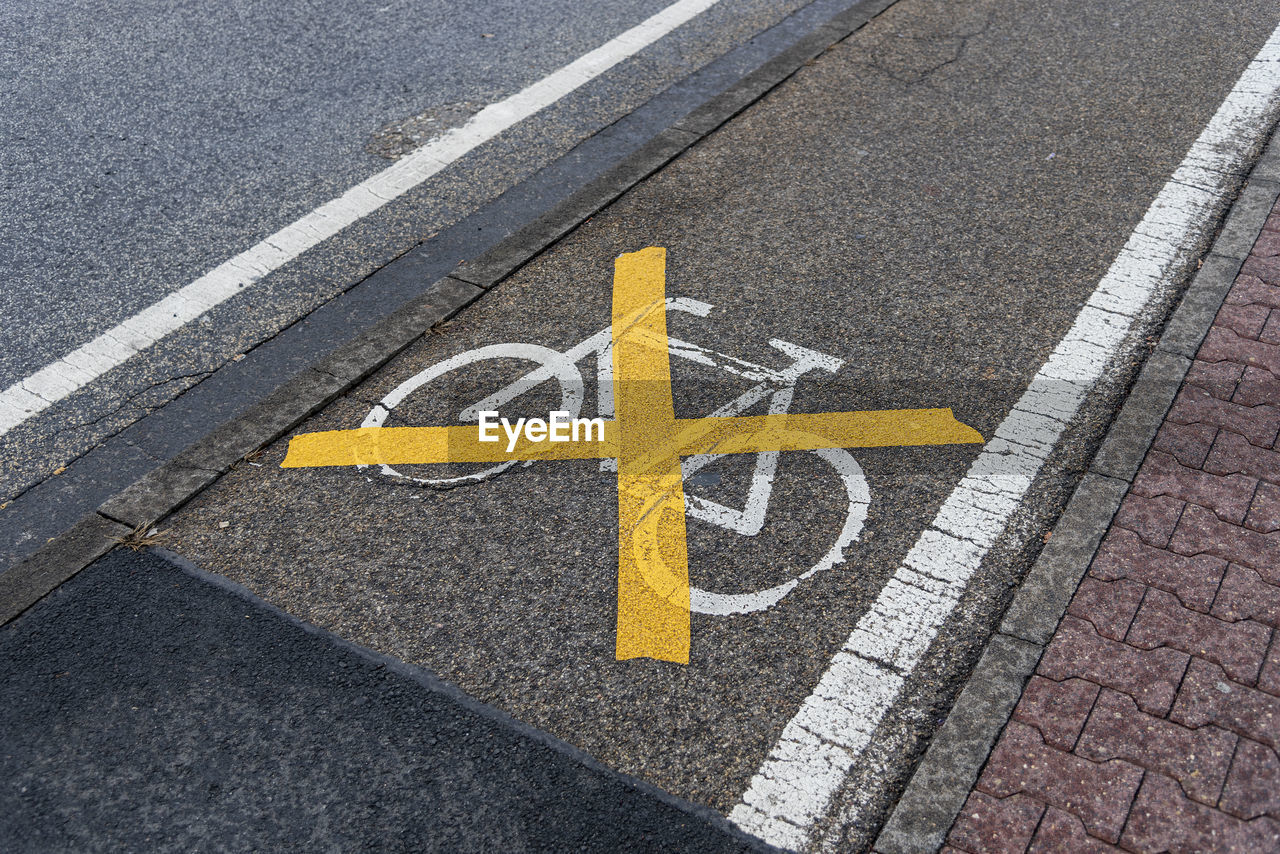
<point x="797" y="782"/>
<point x="112" y="348"/>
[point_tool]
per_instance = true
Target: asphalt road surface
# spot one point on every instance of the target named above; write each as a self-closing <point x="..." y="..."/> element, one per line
<point x="928" y="205"/>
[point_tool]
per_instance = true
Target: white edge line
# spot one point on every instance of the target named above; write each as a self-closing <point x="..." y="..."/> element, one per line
<point x="795" y="786"/>
<point x="57" y="380"/>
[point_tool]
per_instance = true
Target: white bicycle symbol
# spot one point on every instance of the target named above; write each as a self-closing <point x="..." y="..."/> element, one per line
<point x="778" y="385"/>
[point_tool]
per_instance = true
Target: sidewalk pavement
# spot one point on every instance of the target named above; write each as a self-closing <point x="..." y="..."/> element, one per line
<point x="1153" y="719"/>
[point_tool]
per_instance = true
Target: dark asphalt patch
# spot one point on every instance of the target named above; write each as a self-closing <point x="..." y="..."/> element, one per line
<point x="146" y="707"/>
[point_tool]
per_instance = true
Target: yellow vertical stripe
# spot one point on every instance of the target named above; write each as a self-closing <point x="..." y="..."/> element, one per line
<point x="653" y="557"/>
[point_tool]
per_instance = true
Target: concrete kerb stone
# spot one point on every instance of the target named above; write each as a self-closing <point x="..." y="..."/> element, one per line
<point x="172" y="484"/>
<point x="942" y="780"/>
<point x="37" y="575"/>
<point x="1240" y="231"/>
<point x="158" y="493"/>
<point x="234" y="440"/>
<point x="753" y="86"/>
<point x="1131" y="434"/>
<point x="853" y="18"/>
<point x="749" y="89"/>
<point x="517" y="250"/>
<point x="726" y="105"/>
<point x="869" y="8"/>
<point x="1194" y="315"/>
<point x="648" y="159"/>
<point x="273" y="416"/>
<point x="786" y="63"/>
<point x="382" y="342"/>
<point x="1044" y="595"/>
<point x="1268" y="168"/>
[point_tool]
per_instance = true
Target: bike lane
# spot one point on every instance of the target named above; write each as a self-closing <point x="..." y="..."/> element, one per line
<point x="930" y="203"/>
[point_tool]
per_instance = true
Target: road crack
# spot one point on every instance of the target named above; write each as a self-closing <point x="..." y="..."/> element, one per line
<point x="141" y="410"/>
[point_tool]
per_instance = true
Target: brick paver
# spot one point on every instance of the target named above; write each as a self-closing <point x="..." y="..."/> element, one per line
<point x="1153" y="721"/>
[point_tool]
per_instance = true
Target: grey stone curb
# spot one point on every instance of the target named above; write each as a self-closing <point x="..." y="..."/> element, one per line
<point x="172" y="484"/>
<point x="963" y="741"/>
<point x="950" y="766"/>
<point x="1268" y="168"/>
<point x="1131" y="434"/>
<point x="1191" y="320"/>
<point x="32" y="578"/>
<point x="1043" y="597"/>
<point x="1240" y="231"/>
<point x="169" y="486"/>
<point x="520" y="248"/>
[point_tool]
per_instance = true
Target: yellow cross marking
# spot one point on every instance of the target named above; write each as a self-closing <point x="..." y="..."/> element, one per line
<point x="648" y="441"/>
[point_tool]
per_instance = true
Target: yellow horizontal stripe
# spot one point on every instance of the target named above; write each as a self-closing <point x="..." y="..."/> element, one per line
<point x="744" y="434"/>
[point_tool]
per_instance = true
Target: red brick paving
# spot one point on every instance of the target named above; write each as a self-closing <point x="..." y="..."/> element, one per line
<point x="1193" y="579"/>
<point x="1264" y="514"/>
<point x="1257" y="387"/>
<point x="1061" y="831"/>
<point x="1152" y="519"/>
<point x="1000" y="826"/>
<point x="1188" y="443"/>
<point x="1153" y="721"/>
<point x="1057" y="709"/>
<point x="1098" y="793"/>
<point x="1151" y="677"/>
<point x="1165" y="819"/>
<point x="1197" y="758"/>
